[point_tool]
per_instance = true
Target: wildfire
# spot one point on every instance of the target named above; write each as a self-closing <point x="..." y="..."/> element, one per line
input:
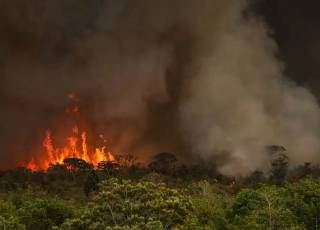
<point x="75" y="146"/>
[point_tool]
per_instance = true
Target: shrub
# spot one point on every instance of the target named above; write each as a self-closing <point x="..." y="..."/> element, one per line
<point x="128" y="205"/>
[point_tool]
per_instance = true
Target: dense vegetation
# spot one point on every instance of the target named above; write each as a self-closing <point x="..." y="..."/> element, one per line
<point x="163" y="195"/>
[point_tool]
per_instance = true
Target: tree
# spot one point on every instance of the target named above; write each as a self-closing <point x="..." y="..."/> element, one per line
<point x="302" y="171"/>
<point x="109" y="167"/>
<point x="264" y="208"/>
<point x="279" y="168"/>
<point x="163" y="163"/>
<point x="7" y="209"/>
<point x="8" y="217"/>
<point x="255" y="178"/>
<point x="246" y="201"/>
<point x="315" y="171"/>
<point x="210" y="208"/>
<point x="76" y="164"/>
<point x="128" y="205"/>
<point x="303" y="199"/>
<point x="11" y="223"/>
<point x="43" y="214"/>
<point x="91" y="183"/>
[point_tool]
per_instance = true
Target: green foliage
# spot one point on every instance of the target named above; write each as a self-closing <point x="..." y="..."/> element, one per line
<point x="303" y="198"/>
<point x="127" y="205"/>
<point x="210" y="213"/>
<point x="11" y="223"/>
<point x="246" y="201"/>
<point x="264" y="208"/>
<point x="8" y="218"/>
<point x="209" y="207"/>
<point x="7" y="209"/>
<point x="29" y="200"/>
<point x="43" y="214"/>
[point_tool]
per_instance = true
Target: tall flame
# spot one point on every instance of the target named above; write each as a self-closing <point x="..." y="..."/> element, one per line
<point x="76" y="147"/>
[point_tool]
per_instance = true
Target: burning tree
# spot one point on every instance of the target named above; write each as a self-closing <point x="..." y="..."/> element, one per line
<point x="75" y="146"/>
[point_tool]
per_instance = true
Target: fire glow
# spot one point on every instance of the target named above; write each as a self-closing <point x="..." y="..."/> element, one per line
<point x="75" y="146"/>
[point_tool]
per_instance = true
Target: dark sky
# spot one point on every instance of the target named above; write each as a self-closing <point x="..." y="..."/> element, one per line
<point x="296" y="26"/>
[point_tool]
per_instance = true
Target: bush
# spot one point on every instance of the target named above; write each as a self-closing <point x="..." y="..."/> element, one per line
<point x="7" y="209"/>
<point x="11" y="223"/>
<point x="303" y="199"/>
<point x="264" y="208"/>
<point x="128" y="205"/>
<point x="43" y="214"/>
<point x="8" y="218"/>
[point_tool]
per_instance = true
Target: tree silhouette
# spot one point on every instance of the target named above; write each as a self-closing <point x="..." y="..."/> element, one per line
<point x="76" y="164"/>
<point x="91" y="183"/>
<point x="164" y="163"/>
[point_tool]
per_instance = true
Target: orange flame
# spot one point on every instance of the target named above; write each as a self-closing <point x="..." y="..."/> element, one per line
<point x="31" y="165"/>
<point x="76" y="147"/>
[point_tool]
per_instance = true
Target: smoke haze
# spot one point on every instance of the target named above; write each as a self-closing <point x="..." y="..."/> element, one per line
<point x="200" y="79"/>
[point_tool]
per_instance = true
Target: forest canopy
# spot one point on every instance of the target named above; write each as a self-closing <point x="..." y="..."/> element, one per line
<point x="162" y="195"/>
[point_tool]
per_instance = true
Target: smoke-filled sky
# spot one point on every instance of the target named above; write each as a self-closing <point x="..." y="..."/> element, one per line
<point x="217" y="80"/>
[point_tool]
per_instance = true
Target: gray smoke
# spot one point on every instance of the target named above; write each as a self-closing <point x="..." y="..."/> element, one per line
<point x="200" y="79"/>
<point x="240" y="102"/>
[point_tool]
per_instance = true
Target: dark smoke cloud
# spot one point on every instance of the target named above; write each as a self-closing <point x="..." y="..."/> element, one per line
<point x="197" y="79"/>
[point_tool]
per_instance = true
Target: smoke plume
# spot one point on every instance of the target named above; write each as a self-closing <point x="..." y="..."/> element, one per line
<point x="197" y="78"/>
